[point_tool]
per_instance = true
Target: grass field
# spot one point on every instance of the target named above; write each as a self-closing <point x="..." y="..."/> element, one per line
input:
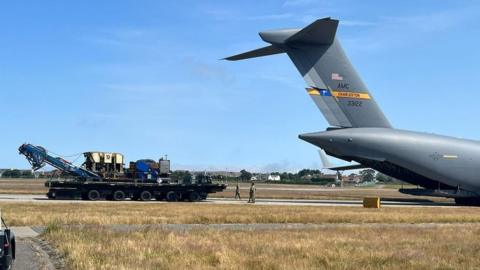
<point x="452" y="245"/>
<point x="447" y="247"/>
<point x="202" y="213"/>
<point x="22" y="186"/>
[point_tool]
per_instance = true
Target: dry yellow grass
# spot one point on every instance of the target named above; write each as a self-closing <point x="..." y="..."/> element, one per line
<point x="153" y="213"/>
<point x="454" y="247"/>
<point x="22" y="186"/>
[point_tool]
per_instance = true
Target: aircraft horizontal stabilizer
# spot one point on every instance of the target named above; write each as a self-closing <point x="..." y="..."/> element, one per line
<point x="347" y="167"/>
<point x="327" y="165"/>
<point x="269" y="50"/>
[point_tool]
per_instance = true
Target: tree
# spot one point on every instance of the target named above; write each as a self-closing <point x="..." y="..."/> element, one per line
<point x="285" y="176"/>
<point x="386" y="179"/>
<point x="245" y="175"/>
<point x="184" y="176"/>
<point x="12" y="174"/>
<point x="27" y="174"/>
<point x="187" y="178"/>
<point x="203" y="178"/>
<point x="306" y="172"/>
<point x="380" y="177"/>
<point x="368" y="175"/>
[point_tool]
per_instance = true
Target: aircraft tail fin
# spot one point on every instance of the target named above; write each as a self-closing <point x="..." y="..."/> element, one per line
<point x="334" y="85"/>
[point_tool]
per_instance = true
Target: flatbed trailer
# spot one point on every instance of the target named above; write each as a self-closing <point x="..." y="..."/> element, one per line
<point x="119" y="191"/>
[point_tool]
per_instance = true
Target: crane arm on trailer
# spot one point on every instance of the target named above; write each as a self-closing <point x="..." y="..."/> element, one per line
<point x="140" y="181"/>
<point x="38" y="157"/>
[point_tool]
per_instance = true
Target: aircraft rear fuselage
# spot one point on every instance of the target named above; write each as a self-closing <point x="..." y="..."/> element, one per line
<point x="436" y="159"/>
<point x="444" y="166"/>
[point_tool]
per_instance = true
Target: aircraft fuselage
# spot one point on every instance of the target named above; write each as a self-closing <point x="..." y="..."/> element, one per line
<point x="433" y="161"/>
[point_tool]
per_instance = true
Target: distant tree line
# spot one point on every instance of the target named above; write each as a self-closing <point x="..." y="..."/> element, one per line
<point x="303" y="176"/>
<point x="184" y="176"/>
<point x="17" y="174"/>
<point x="380" y="177"/>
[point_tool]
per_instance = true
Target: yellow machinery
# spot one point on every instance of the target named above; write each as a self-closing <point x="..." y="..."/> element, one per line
<point x="106" y="164"/>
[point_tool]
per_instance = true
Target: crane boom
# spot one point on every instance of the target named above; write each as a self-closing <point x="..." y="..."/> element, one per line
<point x="38" y="157"/>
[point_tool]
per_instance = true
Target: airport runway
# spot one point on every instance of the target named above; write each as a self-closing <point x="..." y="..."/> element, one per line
<point x="298" y="188"/>
<point x="286" y="202"/>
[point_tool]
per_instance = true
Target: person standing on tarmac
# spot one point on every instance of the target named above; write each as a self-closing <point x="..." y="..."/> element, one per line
<point x="253" y="190"/>
<point x="237" y="192"/>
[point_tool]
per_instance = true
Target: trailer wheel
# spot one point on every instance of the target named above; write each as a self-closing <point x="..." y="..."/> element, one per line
<point x="93" y="195"/>
<point x="118" y="195"/>
<point x="194" y="196"/>
<point x="172" y="196"/>
<point x="473" y="201"/>
<point x="51" y="195"/>
<point x="145" y="195"/>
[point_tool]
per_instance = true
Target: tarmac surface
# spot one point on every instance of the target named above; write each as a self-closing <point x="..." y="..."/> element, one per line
<point x="213" y="200"/>
<point x="30" y="255"/>
<point x="31" y="252"/>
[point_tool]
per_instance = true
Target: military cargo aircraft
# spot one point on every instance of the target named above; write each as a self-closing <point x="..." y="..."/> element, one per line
<point x="359" y="131"/>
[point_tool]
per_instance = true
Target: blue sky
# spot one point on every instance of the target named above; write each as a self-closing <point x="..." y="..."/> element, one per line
<point x="144" y="77"/>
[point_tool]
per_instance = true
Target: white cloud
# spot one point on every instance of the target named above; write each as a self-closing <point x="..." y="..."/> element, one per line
<point x="279" y="166"/>
<point x="225" y="15"/>
<point x="129" y="39"/>
<point x="269" y="17"/>
<point x="391" y="32"/>
<point x="298" y="3"/>
<point x="356" y="23"/>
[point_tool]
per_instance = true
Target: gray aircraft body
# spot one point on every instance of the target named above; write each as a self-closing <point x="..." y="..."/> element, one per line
<point x="442" y="166"/>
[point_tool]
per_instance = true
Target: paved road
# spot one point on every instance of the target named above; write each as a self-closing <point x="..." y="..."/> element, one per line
<point x="358" y="203"/>
<point x="32" y="253"/>
<point x="30" y="256"/>
<point x="264" y="226"/>
<point x="387" y="203"/>
<point x="298" y="188"/>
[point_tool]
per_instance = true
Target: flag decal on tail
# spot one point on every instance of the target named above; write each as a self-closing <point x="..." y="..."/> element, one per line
<point x="337" y="77"/>
<point x="319" y="92"/>
<point x="314" y="91"/>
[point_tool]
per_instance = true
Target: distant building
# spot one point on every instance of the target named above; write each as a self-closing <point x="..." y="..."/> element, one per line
<point x="354" y="178"/>
<point x="273" y="177"/>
